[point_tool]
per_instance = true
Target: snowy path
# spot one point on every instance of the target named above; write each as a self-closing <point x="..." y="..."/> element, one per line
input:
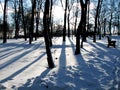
<point x="19" y="60"/>
<point x="24" y="66"/>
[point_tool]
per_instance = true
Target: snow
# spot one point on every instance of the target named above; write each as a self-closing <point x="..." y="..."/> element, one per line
<point x="24" y="66"/>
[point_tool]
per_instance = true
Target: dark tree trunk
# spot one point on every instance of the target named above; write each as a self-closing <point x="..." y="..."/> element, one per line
<point x="17" y="14"/>
<point x="38" y="8"/>
<point x="111" y="17"/>
<point x="96" y="19"/>
<point x="46" y="35"/>
<point x="51" y="20"/>
<point x="96" y="16"/>
<point x="69" y="23"/>
<point x="23" y="20"/>
<point x="64" y="28"/>
<point x="31" y="29"/>
<point x="50" y="23"/>
<point x="82" y="27"/>
<point x="99" y="30"/>
<point x="4" y="23"/>
<point x="77" y="51"/>
<point x="118" y="25"/>
<point x="105" y="27"/>
<point x="84" y="15"/>
<point x="37" y="24"/>
<point x="76" y="17"/>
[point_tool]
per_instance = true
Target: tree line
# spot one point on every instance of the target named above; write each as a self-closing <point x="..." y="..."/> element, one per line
<point x="82" y="18"/>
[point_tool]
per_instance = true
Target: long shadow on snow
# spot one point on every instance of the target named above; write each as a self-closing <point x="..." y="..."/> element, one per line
<point x="85" y="78"/>
<point x="62" y="66"/>
<point x="16" y="58"/>
<point x="22" y="69"/>
<point x="62" y="62"/>
<point x="11" y="47"/>
<point x="62" y="69"/>
<point x="36" y="83"/>
<point x="105" y="66"/>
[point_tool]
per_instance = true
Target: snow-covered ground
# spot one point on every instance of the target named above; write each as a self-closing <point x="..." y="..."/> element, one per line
<point x="24" y="66"/>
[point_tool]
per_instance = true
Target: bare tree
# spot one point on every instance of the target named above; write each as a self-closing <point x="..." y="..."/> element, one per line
<point x="23" y="19"/>
<point x="5" y="22"/>
<point x="118" y="18"/>
<point x="17" y="17"/>
<point x="96" y="19"/>
<point x="38" y="8"/>
<point x="81" y="30"/>
<point x="76" y="17"/>
<point x="46" y="33"/>
<point x="31" y="29"/>
<point x="70" y="4"/>
<point x="65" y="15"/>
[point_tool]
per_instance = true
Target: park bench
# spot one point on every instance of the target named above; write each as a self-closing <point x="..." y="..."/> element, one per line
<point x="111" y="42"/>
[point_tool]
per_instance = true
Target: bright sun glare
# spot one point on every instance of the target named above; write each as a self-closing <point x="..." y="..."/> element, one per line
<point x="58" y="12"/>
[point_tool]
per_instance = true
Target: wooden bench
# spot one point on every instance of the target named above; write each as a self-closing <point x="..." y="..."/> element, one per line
<point x="111" y="42"/>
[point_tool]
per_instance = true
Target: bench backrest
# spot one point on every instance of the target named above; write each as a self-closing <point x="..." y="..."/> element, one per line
<point x="109" y="39"/>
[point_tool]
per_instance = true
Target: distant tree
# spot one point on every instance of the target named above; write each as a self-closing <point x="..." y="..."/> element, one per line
<point x="31" y="29"/>
<point x="23" y="19"/>
<point x="118" y="19"/>
<point x="17" y="17"/>
<point x="69" y="6"/>
<point x="65" y="18"/>
<point x="5" y="22"/>
<point x="103" y="17"/>
<point x="118" y="16"/>
<point x="38" y="8"/>
<point x="97" y="18"/>
<point x="46" y="33"/>
<point x="76" y="17"/>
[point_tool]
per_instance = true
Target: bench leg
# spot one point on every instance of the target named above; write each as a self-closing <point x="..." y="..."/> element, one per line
<point x="114" y="45"/>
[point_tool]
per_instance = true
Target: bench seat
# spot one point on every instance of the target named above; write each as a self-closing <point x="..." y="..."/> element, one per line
<point x="111" y="42"/>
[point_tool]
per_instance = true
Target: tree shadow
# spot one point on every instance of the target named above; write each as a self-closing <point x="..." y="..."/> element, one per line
<point x="36" y="84"/>
<point x="62" y="62"/>
<point x="22" y="69"/>
<point x="103" y="64"/>
<point x="16" y="58"/>
<point x="97" y="72"/>
<point x="85" y="77"/>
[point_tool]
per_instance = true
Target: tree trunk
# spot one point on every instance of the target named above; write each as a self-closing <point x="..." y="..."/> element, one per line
<point x="50" y="23"/>
<point x="4" y="23"/>
<point x="37" y="24"/>
<point x="38" y="8"/>
<point x="16" y="20"/>
<point x="118" y="25"/>
<point x="105" y="27"/>
<point x="31" y="29"/>
<point x="82" y="26"/>
<point x="23" y="20"/>
<point x="111" y="17"/>
<point x="83" y="20"/>
<point x="69" y="23"/>
<point x="46" y="35"/>
<point x="51" y="19"/>
<point x="76" y="17"/>
<point x="96" y="19"/>
<point x="64" y="28"/>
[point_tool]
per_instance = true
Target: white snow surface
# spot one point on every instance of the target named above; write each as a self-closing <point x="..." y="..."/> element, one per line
<point x="25" y="67"/>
